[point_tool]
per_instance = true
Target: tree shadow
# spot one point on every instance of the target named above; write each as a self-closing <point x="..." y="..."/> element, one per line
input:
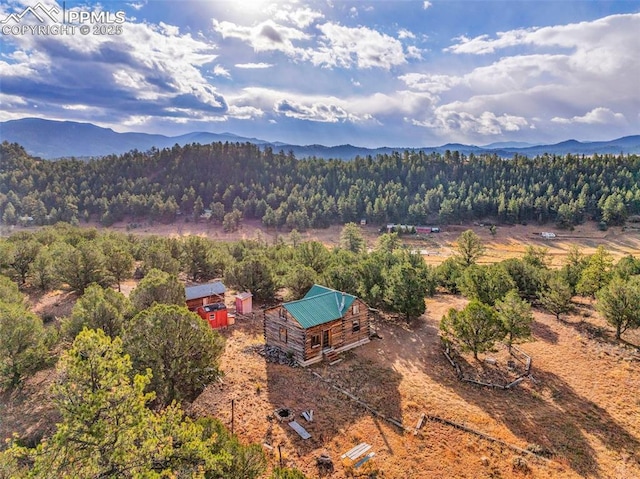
<point x="603" y="334"/>
<point x="543" y="332"/>
<point x="334" y="412"/>
<point x="28" y="411"/>
<point x="546" y="411"/>
<point x="631" y="344"/>
<point x="259" y="388"/>
<point x="550" y="414"/>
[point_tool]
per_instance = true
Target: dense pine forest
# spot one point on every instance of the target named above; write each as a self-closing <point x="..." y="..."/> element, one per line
<point x="231" y="181"/>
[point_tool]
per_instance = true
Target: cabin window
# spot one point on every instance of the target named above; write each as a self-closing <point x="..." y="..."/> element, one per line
<point x="355" y="327"/>
<point x="283" y="335"/>
<point x="283" y="314"/>
<point x="355" y="309"/>
<point x="315" y="340"/>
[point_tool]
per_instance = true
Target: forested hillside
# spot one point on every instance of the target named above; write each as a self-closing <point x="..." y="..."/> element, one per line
<point x="235" y="180"/>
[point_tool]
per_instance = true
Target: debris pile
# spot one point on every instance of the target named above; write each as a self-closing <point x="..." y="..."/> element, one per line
<point x="273" y="354"/>
<point x="324" y="463"/>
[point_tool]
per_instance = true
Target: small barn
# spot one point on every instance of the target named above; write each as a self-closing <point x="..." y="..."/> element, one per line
<point x="203" y="294"/>
<point x="320" y="325"/>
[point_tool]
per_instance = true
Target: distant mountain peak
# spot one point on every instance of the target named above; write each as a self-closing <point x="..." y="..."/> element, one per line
<point x="508" y="144"/>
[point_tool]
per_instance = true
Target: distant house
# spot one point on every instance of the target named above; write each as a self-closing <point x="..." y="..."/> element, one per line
<point x="323" y="323"/>
<point x="421" y="230"/>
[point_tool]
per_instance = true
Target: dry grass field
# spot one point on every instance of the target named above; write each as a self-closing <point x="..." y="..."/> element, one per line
<point x="508" y="242"/>
<point x="580" y="406"/>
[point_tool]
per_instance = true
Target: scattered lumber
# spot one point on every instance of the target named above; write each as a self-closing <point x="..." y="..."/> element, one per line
<point x="420" y="423"/>
<point x="302" y="432"/>
<point x="357" y="451"/>
<point x="364" y="459"/>
<point x="433" y="417"/>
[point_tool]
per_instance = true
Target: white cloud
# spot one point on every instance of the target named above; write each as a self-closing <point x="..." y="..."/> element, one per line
<point x="301" y="17"/>
<point x="608" y="33"/>
<point x="136" y="120"/>
<point x="263" y="37"/>
<point x="597" y="116"/>
<point x="244" y="112"/>
<point x="25" y="63"/>
<point x="257" y="66"/>
<point x="556" y="72"/>
<point x="221" y="71"/>
<point x="75" y="107"/>
<point x="337" y="45"/>
<point x="320" y="112"/>
<point x="170" y="30"/>
<point x="414" y="52"/>
<point x="518" y="73"/>
<point x="389" y="106"/>
<point x="313" y="108"/>
<point x="484" y="44"/>
<point x="361" y="46"/>
<point x="430" y="83"/>
<point x="404" y="33"/>
<point x="148" y="68"/>
<point x="137" y="6"/>
<point x="426" y="4"/>
<point x="9" y="101"/>
<point x="326" y="108"/>
<point x="452" y="122"/>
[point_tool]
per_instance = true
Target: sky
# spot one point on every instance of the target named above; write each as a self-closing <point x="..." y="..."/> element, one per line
<point x="369" y="73"/>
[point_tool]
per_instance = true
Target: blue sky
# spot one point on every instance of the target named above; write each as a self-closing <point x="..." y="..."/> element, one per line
<point x="369" y="73"/>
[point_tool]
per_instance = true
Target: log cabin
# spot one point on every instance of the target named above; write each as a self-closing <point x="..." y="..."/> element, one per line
<point x="323" y="323"/>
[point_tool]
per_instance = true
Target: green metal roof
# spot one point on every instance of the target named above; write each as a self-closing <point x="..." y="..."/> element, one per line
<point x="320" y="305"/>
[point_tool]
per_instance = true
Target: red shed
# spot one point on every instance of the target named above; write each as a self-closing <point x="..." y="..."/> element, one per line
<point x="244" y="303"/>
<point x="215" y="314"/>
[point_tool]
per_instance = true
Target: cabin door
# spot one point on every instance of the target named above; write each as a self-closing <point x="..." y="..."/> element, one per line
<point x="326" y="339"/>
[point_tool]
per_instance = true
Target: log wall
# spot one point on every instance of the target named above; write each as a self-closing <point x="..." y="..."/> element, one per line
<point x="278" y="319"/>
<point x="307" y="346"/>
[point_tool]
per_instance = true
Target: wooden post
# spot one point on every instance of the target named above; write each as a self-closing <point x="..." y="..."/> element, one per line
<point x="232" y="413"/>
<point x="280" y="454"/>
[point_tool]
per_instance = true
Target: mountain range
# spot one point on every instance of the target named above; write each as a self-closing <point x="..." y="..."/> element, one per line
<point x="51" y="139"/>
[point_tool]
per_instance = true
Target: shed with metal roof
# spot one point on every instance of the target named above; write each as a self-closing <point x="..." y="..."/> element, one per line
<point x="203" y="294"/>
